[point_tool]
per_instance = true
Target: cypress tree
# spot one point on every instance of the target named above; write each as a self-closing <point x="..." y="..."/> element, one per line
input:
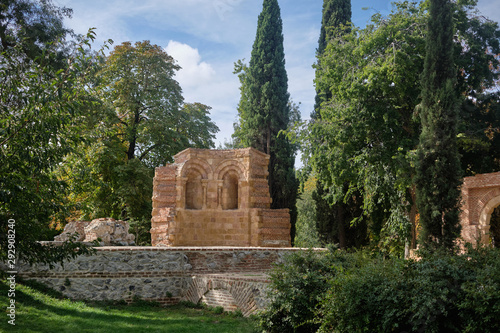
<point x="336" y="13"/>
<point x="330" y="220"/>
<point x="265" y="109"/>
<point x="438" y="174"/>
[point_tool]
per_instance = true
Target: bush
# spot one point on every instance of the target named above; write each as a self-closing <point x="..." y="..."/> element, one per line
<point x="337" y="291"/>
<point x="480" y="306"/>
<point x="439" y="293"/>
<point x="296" y="288"/>
<point x="218" y="310"/>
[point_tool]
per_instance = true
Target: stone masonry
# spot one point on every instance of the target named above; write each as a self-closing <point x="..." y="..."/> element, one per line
<point x="232" y="277"/>
<point x="107" y="231"/>
<point x="216" y="198"/>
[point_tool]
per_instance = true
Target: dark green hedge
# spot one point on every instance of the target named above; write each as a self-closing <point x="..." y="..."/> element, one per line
<point x="364" y="292"/>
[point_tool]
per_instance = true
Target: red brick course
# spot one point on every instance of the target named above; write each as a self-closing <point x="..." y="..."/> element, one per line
<point x="232" y="277"/>
<point x="480" y="196"/>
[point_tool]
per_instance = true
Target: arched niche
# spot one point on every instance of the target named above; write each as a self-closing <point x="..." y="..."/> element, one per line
<point x="230" y="190"/>
<point x="194" y="190"/>
<point x="485" y="219"/>
<point x="494" y="229"/>
<point x="230" y="166"/>
<point x="485" y="216"/>
<point x="199" y="165"/>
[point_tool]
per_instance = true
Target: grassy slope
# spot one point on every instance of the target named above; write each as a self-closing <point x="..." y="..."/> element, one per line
<point x="42" y="310"/>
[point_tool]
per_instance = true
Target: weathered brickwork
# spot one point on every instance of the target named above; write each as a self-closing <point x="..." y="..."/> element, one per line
<point x="234" y="278"/>
<point x="480" y="196"/>
<point x="244" y="292"/>
<point x="216" y="198"/>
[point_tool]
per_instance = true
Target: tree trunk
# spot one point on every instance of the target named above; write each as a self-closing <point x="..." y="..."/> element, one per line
<point x="133" y="137"/>
<point x="413" y="218"/>
<point x="268" y="143"/>
<point x="341" y="225"/>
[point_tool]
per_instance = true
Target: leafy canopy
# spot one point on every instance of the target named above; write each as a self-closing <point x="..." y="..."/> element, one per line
<point x="42" y="103"/>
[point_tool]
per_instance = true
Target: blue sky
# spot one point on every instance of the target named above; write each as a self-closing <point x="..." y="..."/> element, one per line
<point x="206" y="37"/>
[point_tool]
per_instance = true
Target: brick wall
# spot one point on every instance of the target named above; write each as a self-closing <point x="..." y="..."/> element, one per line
<point x="229" y="277"/>
<point x="480" y="196"/>
<point x="216" y="198"/>
<point x="275" y="227"/>
<point x="164" y="203"/>
<point x="211" y="228"/>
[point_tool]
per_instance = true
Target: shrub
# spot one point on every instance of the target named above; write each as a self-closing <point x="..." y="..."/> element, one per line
<point x="218" y="310"/>
<point x="296" y="288"/>
<point x="365" y="297"/>
<point x="334" y="291"/>
<point x="480" y="306"/>
<point x="441" y="292"/>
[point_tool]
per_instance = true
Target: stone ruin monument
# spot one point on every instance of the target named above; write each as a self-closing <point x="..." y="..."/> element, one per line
<point x="107" y="231"/>
<point x="216" y="198"/>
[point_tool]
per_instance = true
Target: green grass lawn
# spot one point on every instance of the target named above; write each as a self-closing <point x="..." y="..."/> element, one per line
<point x="42" y="310"/>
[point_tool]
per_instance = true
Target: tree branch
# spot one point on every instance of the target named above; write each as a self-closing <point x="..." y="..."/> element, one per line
<point x="147" y="151"/>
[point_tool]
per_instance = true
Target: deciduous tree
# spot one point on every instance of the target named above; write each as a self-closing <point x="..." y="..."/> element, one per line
<point x="42" y="101"/>
<point x="368" y="132"/>
<point x="143" y="122"/>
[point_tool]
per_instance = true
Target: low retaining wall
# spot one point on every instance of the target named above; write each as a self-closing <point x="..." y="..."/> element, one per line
<point x="234" y="278"/>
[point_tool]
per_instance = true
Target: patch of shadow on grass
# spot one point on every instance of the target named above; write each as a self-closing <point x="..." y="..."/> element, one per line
<point x="132" y="319"/>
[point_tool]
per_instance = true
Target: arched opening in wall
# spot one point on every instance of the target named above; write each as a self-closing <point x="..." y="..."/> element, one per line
<point x="488" y="221"/>
<point x="230" y="191"/>
<point x="495" y="227"/>
<point x="194" y="191"/>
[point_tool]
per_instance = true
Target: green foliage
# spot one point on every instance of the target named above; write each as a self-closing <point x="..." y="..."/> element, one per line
<point x="482" y="294"/>
<point x="360" y="296"/>
<point x="39" y="309"/>
<point x="140" y="125"/>
<point x="43" y="102"/>
<point x="138" y="83"/>
<point x="438" y="174"/>
<point x="264" y="108"/>
<point x="364" y="291"/>
<point x="297" y="285"/>
<point x="479" y="139"/>
<point x="339" y="223"/>
<point x="139" y="302"/>
<point x="197" y="128"/>
<point x="336" y="14"/>
<point x="34" y="27"/>
<point x="331" y="219"/>
<point x="478" y="64"/>
<point x="363" y="142"/>
<point x="306" y="233"/>
<point x="218" y="310"/>
<point x="435" y="294"/>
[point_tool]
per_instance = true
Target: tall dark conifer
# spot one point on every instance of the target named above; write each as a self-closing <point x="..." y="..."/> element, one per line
<point x="330" y="220"/>
<point x="438" y="174"/>
<point x="336" y="13"/>
<point x="265" y="109"/>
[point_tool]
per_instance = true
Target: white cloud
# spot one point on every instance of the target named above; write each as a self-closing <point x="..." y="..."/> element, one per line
<point x="212" y="84"/>
<point x="220" y="21"/>
<point x="206" y="37"/>
<point x="193" y="71"/>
